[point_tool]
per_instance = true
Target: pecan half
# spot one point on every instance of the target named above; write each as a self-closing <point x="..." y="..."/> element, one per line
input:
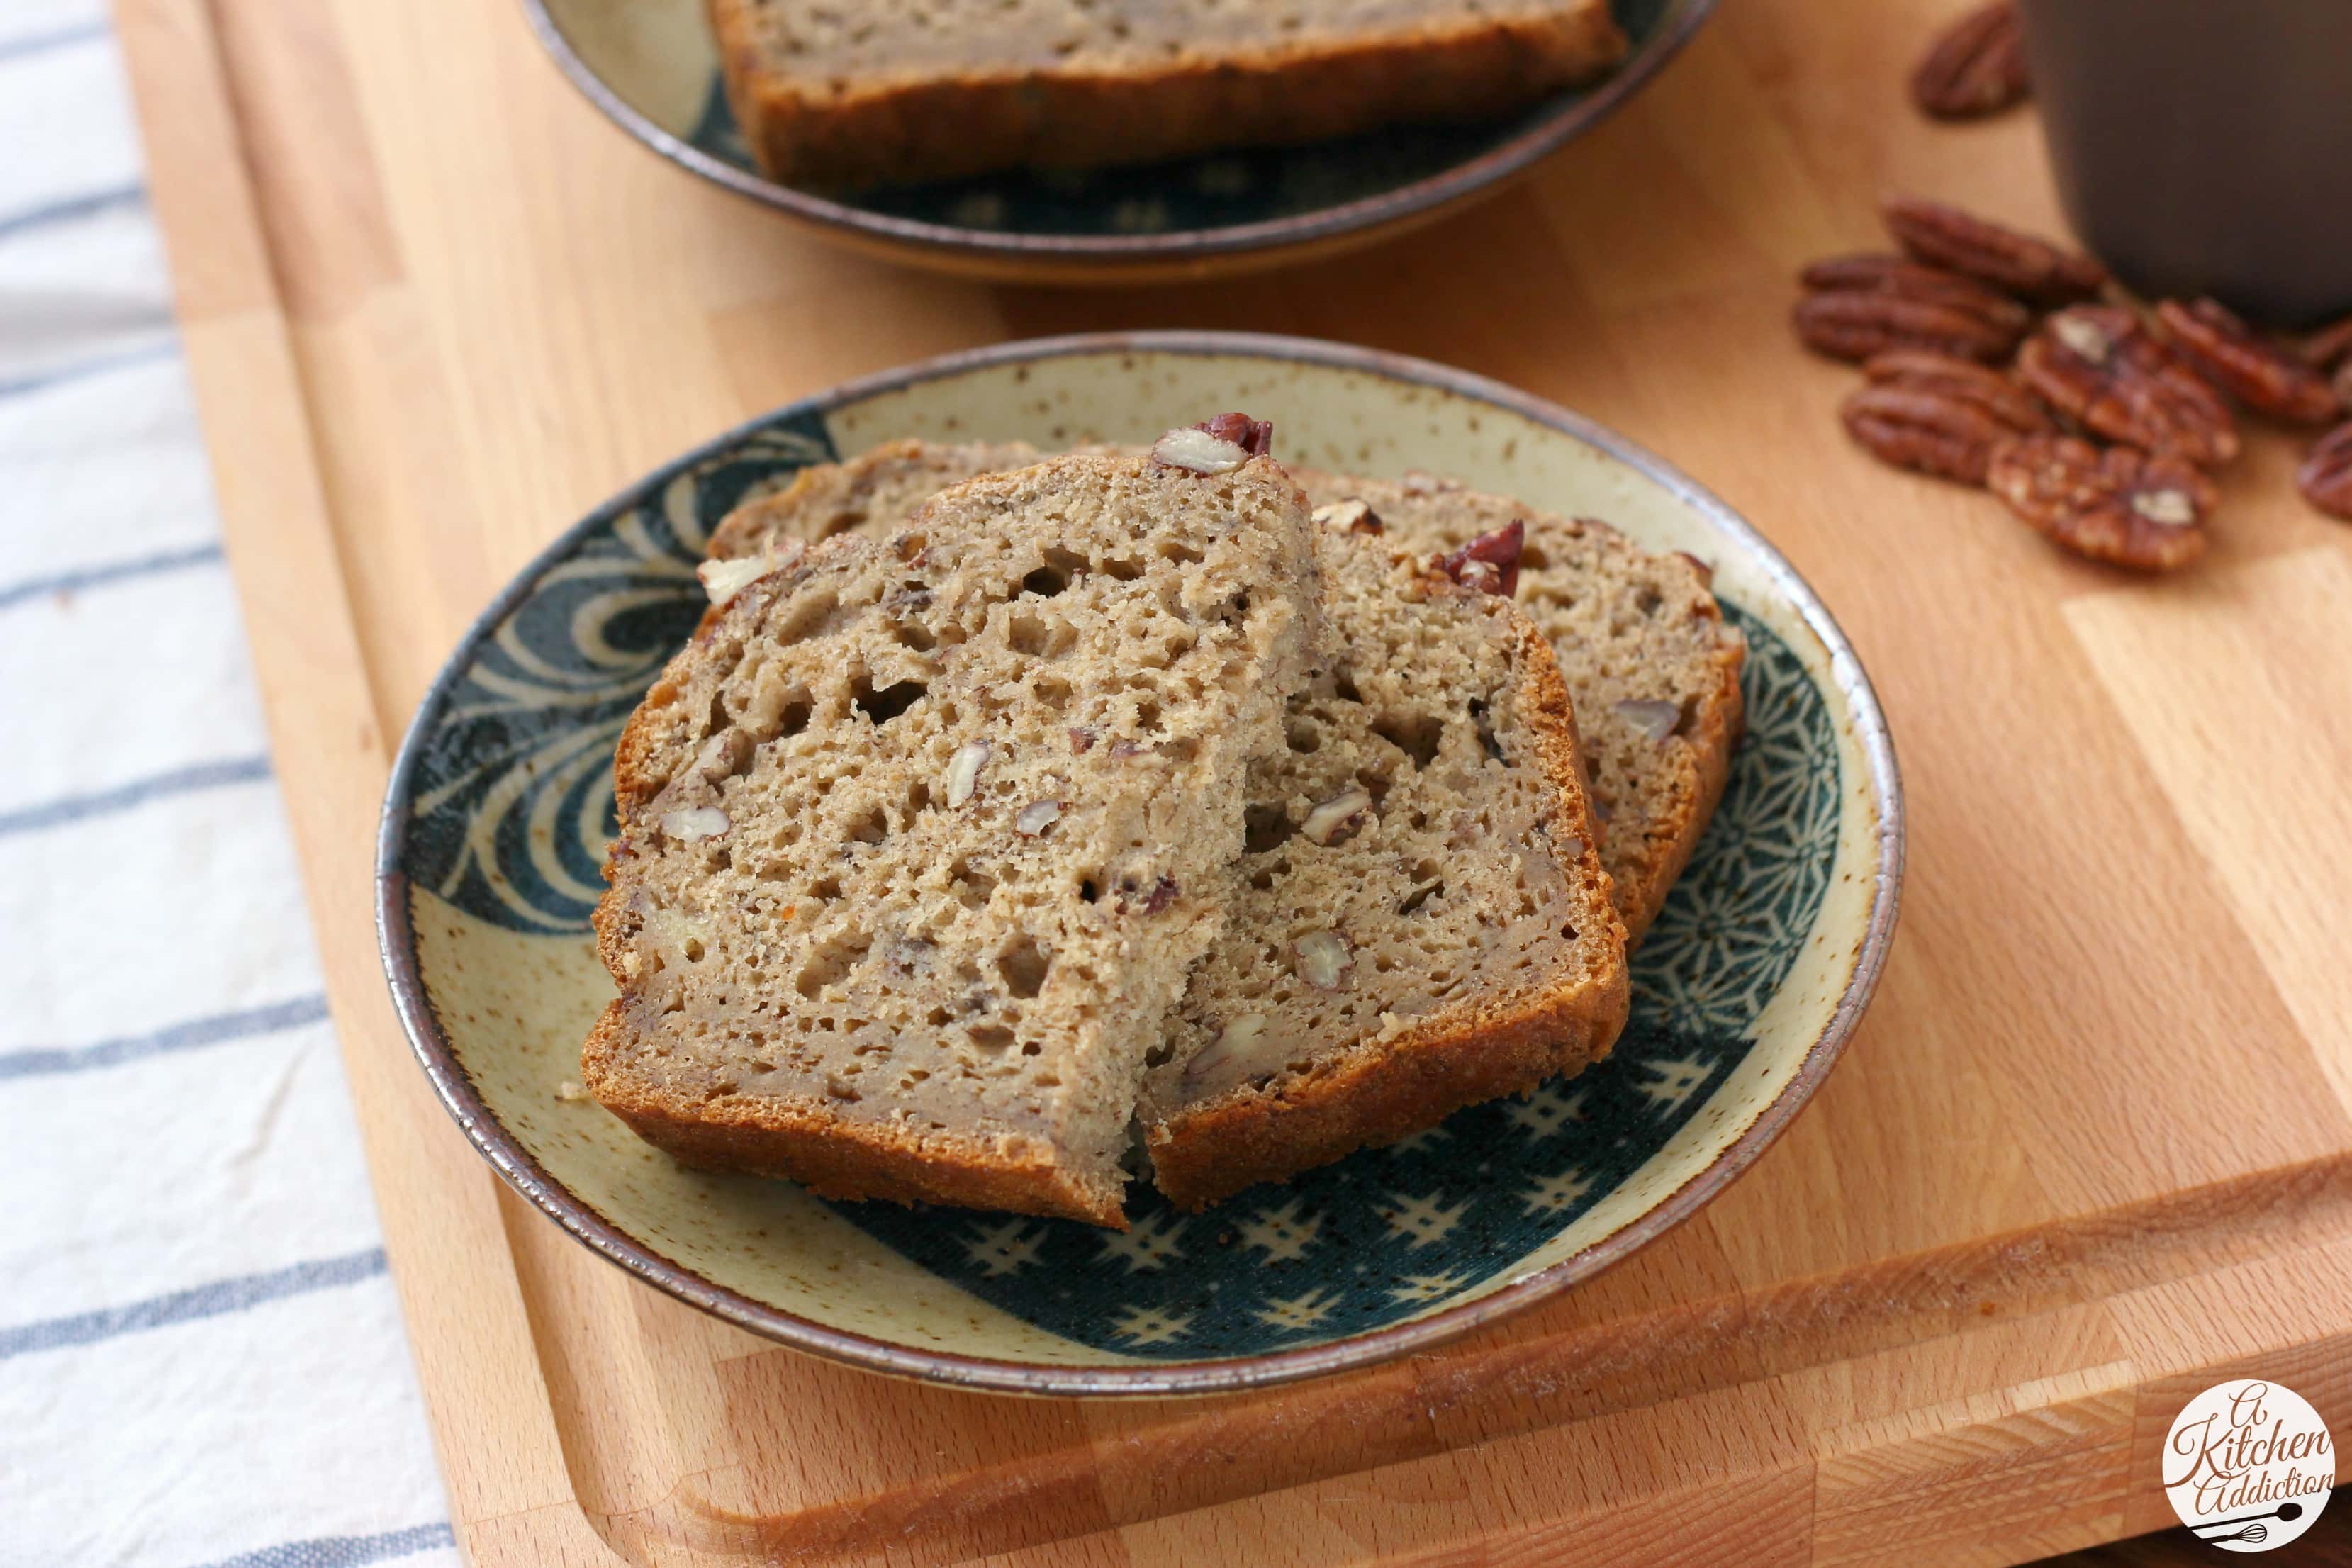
<point x="1975" y="66"/>
<point x="1855" y="323"/>
<point x="1323" y="959"/>
<point x="1981" y="386"/>
<point x="1255" y="436"/>
<point x="2330" y="345"/>
<point x="1490" y="563"/>
<point x="1216" y="445"/>
<point x="2096" y="364"/>
<point x="1880" y="272"/>
<point x="2113" y="504"/>
<point x="2326" y="477"/>
<point x="1192" y="449"/>
<point x="1351" y="516"/>
<point x="2258" y="374"/>
<point x="1928" y="432"/>
<point x="2029" y="268"/>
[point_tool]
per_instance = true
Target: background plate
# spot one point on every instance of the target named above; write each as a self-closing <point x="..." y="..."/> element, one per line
<point x="651" y="64"/>
<point x="501" y="804"/>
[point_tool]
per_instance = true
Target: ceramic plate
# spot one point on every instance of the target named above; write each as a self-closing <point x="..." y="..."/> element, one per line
<point x="652" y="67"/>
<point x="501" y="804"/>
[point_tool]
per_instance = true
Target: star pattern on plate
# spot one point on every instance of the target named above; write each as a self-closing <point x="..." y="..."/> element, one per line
<point x="1551" y="1107"/>
<point x="1006" y="1247"/>
<point x="1148" y="1325"/>
<point x="1423" y="1217"/>
<point x="1555" y="1193"/>
<point x="1300" y="1312"/>
<point x="1420" y="1287"/>
<point x="1147" y="1243"/>
<point x="1282" y="1233"/>
<point x="1671" y="1080"/>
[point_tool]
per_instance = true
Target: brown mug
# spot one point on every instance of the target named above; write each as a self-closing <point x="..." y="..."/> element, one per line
<point x="2205" y="146"/>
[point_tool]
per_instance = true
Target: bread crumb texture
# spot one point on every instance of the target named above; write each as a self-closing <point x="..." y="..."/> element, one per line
<point x="920" y="834"/>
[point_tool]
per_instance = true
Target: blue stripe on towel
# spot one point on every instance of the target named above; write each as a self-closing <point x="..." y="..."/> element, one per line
<point x="343" y="1551"/>
<point x="217" y="1029"/>
<point x="82" y="577"/>
<point x="97" y="364"/>
<point x="180" y="780"/>
<point x="55" y="39"/>
<point x="71" y="208"/>
<point x="212" y="1300"/>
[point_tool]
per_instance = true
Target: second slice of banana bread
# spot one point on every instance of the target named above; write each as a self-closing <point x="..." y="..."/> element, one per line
<point x="1419" y="920"/>
<point x="1652" y="665"/>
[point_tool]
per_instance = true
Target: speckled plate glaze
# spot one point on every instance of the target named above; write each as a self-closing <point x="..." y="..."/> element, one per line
<point x="651" y="66"/>
<point x="501" y="804"/>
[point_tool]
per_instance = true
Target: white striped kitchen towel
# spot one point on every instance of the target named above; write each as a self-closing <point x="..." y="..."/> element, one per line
<point x="201" y="1358"/>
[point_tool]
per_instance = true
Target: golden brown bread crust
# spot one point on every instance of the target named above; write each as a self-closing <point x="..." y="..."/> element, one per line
<point x="950" y="126"/>
<point x="798" y="1139"/>
<point x="1720" y="717"/>
<point x="1386" y="1090"/>
<point x="1718" y="721"/>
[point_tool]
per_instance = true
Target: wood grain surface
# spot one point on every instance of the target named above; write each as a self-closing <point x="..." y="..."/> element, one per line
<point x="2091" y="1151"/>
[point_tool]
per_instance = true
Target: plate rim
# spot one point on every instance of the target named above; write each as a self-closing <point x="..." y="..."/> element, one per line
<point x="396" y="943"/>
<point x="1364" y="217"/>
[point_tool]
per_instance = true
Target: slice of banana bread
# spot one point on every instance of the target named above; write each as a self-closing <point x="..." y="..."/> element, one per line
<point x="921" y="834"/>
<point x="892" y="91"/>
<point x="1649" y="662"/>
<point x="1652" y="664"/>
<point x="1419" y="922"/>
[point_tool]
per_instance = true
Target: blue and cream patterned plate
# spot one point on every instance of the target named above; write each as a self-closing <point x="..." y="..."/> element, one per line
<point x="501" y="804"/>
<point x="651" y="66"/>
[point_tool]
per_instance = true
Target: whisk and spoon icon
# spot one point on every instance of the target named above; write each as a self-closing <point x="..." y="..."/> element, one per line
<point x="2255" y="1532"/>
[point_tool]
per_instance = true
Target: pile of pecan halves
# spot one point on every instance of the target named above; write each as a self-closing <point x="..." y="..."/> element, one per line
<point x="1997" y="359"/>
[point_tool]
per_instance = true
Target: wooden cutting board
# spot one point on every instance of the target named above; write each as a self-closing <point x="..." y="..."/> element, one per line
<point x="2090" y="1151"/>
